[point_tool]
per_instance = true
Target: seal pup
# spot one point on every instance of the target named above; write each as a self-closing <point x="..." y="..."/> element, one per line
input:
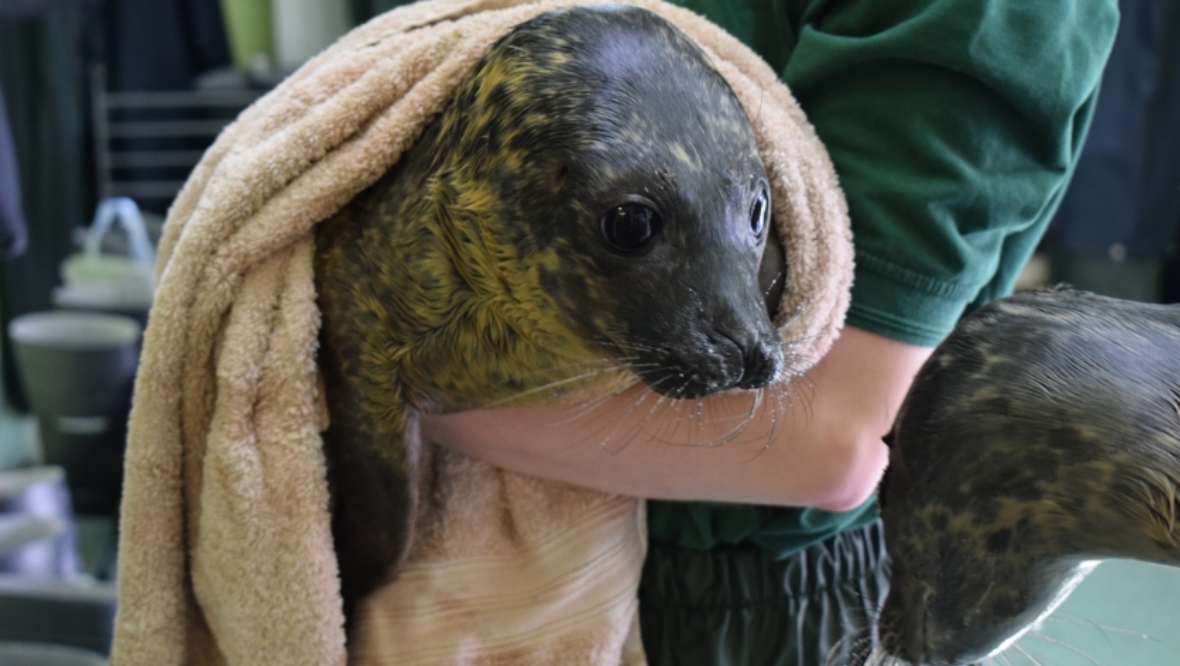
<point x="590" y="207"/>
<point x="1042" y="436"/>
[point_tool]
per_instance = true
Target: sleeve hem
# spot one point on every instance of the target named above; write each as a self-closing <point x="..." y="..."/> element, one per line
<point x="901" y="304"/>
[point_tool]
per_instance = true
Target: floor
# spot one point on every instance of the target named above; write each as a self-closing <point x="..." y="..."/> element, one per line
<point x="1124" y="614"/>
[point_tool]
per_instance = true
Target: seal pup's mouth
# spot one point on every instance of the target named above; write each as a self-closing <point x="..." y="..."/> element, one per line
<point x="720" y="363"/>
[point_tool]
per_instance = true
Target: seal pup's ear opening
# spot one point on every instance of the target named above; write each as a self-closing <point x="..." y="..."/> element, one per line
<point x="560" y="173"/>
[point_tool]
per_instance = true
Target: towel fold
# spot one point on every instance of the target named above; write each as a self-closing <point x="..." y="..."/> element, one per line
<point x="226" y="553"/>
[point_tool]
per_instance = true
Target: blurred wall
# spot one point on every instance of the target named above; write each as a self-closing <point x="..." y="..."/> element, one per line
<point x="1122" y="211"/>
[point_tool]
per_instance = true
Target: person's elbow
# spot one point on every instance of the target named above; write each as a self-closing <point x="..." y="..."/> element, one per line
<point x="851" y="476"/>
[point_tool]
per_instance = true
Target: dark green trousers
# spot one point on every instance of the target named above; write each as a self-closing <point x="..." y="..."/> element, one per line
<point x="738" y="607"/>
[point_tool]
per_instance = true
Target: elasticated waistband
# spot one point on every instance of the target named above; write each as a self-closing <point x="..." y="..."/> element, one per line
<point x="738" y="606"/>
<point x="746" y="575"/>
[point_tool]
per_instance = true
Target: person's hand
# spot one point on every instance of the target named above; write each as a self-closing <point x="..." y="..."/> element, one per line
<point x="815" y="442"/>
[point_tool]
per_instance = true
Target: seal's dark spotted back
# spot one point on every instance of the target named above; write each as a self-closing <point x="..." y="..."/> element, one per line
<point x="1042" y="435"/>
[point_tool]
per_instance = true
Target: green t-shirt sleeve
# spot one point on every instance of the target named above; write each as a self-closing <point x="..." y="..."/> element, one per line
<point x="954" y="126"/>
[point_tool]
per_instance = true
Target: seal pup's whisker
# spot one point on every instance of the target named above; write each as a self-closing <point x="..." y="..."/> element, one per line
<point x="597" y="409"/>
<point x="773" y="282"/>
<point x="600" y="363"/>
<point x="864" y="651"/>
<point x="768" y="415"/>
<point x="601" y="366"/>
<point x="1103" y="628"/>
<point x="642" y="389"/>
<point x="623" y="418"/>
<point x="697" y="421"/>
<point x="1010" y="657"/>
<point x="778" y="409"/>
<point x="993" y="661"/>
<point x="627" y="346"/>
<point x="699" y="414"/>
<point x="771" y="409"/>
<point x="858" y="657"/>
<point x="786" y="324"/>
<point x="725" y="437"/>
<point x="807" y="396"/>
<point x="550" y="386"/>
<point x="1062" y="644"/>
<point x="700" y="418"/>
<point x="639" y="428"/>
<point x="875" y="656"/>
<point x="757" y="403"/>
<point x="677" y="422"/>
<point x="686" y="421"/>
<point x="852" y="641"/>
<point x="781" y="391"/>
<point x="1027" y="653"/>
<point x="586" y="408"/>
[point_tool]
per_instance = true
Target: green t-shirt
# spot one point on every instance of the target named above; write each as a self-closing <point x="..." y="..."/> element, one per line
<point x="954" y="126"/>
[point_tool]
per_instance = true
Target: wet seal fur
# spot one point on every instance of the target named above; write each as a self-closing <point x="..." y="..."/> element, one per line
<point x="481" y="269"/>
<point x="1042" y="435"/>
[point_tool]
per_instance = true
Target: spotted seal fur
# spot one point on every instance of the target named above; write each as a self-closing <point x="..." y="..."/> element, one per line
<point x="1042" y="435"/>
<point x="591" y="198"/>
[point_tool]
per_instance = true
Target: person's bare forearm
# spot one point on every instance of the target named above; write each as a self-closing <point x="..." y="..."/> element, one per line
<point x="816" y="444"/>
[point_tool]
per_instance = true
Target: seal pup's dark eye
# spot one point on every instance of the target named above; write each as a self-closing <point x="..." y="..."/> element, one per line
<point x="630" y="227"/>
<point x="760" y="212"/>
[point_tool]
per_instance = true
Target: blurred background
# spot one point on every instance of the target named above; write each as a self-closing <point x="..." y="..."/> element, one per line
<point x="105" y="106"/>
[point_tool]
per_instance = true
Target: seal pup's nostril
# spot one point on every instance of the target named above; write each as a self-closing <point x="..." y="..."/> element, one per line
<point x="760" y="365"/>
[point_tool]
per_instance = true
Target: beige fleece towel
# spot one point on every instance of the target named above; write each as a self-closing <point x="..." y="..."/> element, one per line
<point x="226" y="550"/>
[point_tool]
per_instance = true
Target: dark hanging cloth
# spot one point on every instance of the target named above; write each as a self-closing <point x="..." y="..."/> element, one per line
<point x="363" y="10"/>
<point x="41" y="74"/>
<point x="1124" y="201"/>
<point x="158" y="44"/>
<point x="13" y="235"/>
<point x="1165" y="152"/>
<point x="13" y="232"/>
<point x="22" y="9"/>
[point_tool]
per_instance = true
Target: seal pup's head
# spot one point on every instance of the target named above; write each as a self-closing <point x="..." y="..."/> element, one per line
<point x="617" y="181"/>
<point x="1041" y="436"/>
